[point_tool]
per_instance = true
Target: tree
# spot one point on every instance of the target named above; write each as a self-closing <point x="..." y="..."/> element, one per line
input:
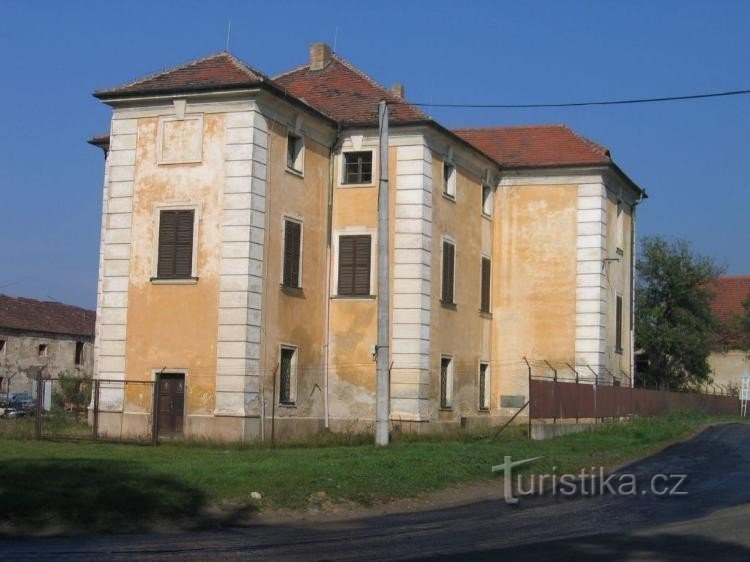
<point x="73" y="390"/>
<point x="674" y="325"/>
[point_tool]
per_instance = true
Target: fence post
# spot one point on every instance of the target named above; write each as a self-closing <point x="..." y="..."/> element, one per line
<point x="155" y="411"/>
<point x="95" y="424"/>
<point x="39" y="407"/>
<point x="528" y="365"/>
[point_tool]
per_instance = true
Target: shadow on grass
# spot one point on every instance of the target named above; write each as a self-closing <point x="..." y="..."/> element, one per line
<point x="82" y="495"/>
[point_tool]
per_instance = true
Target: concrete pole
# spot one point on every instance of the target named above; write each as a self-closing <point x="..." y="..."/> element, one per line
<point x="382" y="397"/>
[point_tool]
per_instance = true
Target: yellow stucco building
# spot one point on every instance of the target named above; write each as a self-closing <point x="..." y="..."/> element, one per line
<point x="239" y="243"/>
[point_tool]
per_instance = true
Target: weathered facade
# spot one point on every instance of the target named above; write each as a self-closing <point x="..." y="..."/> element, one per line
<point x="239" y="239"/>
<point x="42" y="338"/>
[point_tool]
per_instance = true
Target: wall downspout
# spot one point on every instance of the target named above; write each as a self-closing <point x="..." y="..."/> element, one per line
<point x="632" y="290"/>
<point x="329" y="277"/>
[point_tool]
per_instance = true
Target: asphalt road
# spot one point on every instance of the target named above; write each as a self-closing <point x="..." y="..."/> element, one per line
<point x="711" y="522"/>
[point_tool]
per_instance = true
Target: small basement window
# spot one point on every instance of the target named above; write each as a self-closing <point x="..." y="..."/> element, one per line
<point x="43" y="350"/>
<point x="295" y="151"/>
<point x="358" y="167"/>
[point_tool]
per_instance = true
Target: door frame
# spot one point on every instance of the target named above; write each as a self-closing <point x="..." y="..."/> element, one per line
<point x="155" y="413"/>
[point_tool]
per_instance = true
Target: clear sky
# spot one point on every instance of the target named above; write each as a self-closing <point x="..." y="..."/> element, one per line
<point x="691" y="156"/>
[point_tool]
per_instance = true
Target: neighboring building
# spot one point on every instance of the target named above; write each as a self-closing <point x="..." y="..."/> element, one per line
<point x="42" y="338"/>
<point x="239" y="241"/>
<point x="729" y="361"/>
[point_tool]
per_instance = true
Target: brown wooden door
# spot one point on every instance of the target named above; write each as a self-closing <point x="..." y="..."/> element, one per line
<point x="171" y="403"/>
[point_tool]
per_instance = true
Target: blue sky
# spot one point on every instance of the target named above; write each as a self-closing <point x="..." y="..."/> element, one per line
<point x="692" y="157"/>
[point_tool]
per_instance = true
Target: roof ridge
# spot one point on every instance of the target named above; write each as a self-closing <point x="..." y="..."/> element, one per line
<point x="39" y="301"/>
<point x="593" y="144"/>
<point x="495" y="127"/>
<point x="291" y="71"/>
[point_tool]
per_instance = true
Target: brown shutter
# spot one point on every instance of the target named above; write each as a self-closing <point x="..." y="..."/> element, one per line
<point x="486" y="284"/>
<point x="175" y="259"/>
<point x="285" y="379"/>
<point x="449" y="259"/>
<point x="292" y="253"/>
<point x="354" y="265"/>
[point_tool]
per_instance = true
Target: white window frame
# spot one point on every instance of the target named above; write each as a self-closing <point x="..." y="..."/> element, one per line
<point x="620" y="226"/>
<point x="488" y="203"/>
<point x="341" y="167"/>
<point x="299" y="221"/>
<point x="448" y="238"/>
<point x="449" y="183"/>
<point x="292" y="376"/>
<point x="300" y="161"/>
<point x="177" y="206"/>
<point x="487" y="385"/>
<point x="448" y="383"/>
<point x="355" y="231"/>
<point x="195" y="158"/>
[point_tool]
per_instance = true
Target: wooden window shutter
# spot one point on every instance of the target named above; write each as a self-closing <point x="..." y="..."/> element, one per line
<point x="449" y="260"/>
<point x="292" y="253"/>
<point x="285" y="378"/>
<point x="486" y="284"/>
<point x="354" y="265"/>
<point x="618" y="326"/>
<point x="175" y="259"/>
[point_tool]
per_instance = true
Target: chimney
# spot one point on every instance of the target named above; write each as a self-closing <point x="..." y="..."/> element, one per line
<point x="320" y="56"/>
<point x="398" y="90"/>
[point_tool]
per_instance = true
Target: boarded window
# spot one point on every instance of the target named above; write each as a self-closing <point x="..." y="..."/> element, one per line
<point x="446" y="382"/>
<point x="449" y="263"/>
<point x="175" y="244"/>
<point x="618" y="325"/>
<point x="354" y="265"/>
<point x="292" y="253"/>
<point x="486" y="284"/>
<point x="294" y="152"/>
<point x="79" y="353"/>
<point x="449" y="180"/>
<point x="484" y="386"/>
<point x="358" y="167"/>
<point x="288" y="375"/>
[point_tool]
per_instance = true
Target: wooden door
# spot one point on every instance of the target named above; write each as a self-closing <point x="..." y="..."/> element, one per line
<point x="171" y="403"/>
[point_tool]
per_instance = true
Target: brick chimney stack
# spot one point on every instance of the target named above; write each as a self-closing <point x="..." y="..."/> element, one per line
<point x="398" y="90"/>
<point x="320" y="56"/>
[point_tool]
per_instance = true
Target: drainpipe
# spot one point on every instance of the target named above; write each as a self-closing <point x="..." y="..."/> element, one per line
<point x="329" y="276"/>
<point x="632" y="289"/>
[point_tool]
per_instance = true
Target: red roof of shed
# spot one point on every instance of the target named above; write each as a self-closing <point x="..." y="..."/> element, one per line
<point x="31" y="315"/>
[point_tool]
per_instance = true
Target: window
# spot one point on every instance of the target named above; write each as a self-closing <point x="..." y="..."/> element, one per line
<point x="79" y="353"/>
<point x="620" y="225"/>
<point x="354" y="265"/>
<point x="358" y="167"/>
<point x="2" y="347"/>
<point x="484" y="305"/>
<point x="175" y="260"/>
<point x="449" y="264"/>
<point x="43" y="350"/>
<point x="295" y="151"/>
<point x="446" y="382"/>
<point x="449" y="180"/>
<point x="288" y="375"/>
<point x="292" y="254"/>
<point x="484" y="386"/>
<point x="486" y="200"/>
<point x="618" y="325"/>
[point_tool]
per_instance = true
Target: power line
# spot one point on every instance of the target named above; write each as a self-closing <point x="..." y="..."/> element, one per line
<point x="579" y="103"/>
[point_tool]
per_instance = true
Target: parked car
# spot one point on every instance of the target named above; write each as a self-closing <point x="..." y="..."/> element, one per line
<point x="10" y="413"/>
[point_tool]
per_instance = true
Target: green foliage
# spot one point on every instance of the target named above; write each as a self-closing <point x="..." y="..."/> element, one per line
<point x="72" y="390"/>
<point x="674" y="325"/>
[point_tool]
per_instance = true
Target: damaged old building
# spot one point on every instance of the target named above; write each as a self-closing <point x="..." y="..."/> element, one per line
<point x="239" y="242"/>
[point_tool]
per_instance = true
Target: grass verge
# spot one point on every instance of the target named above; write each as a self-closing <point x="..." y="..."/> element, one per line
<point x="69" y="486"/>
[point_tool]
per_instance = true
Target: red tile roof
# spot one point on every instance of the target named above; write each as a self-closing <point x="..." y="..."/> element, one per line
<point x="31" y="315"/>
<point x="217" y="71"/>
<point x="535" y="146"/>
<point x="730" y="293"/>
<point x="345" y="94"/>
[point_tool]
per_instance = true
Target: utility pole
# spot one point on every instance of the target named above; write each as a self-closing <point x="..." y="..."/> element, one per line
<point x="382" y="396"/>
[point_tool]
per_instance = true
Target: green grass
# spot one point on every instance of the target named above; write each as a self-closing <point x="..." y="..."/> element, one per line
<point x="108" y="486"/>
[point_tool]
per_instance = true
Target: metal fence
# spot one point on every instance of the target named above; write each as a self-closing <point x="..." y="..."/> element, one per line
<point x="565" y="400"/>
<point x="85" y="409"/>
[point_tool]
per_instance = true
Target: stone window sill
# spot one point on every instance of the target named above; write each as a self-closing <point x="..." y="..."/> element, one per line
<point x="166" y="281"/>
